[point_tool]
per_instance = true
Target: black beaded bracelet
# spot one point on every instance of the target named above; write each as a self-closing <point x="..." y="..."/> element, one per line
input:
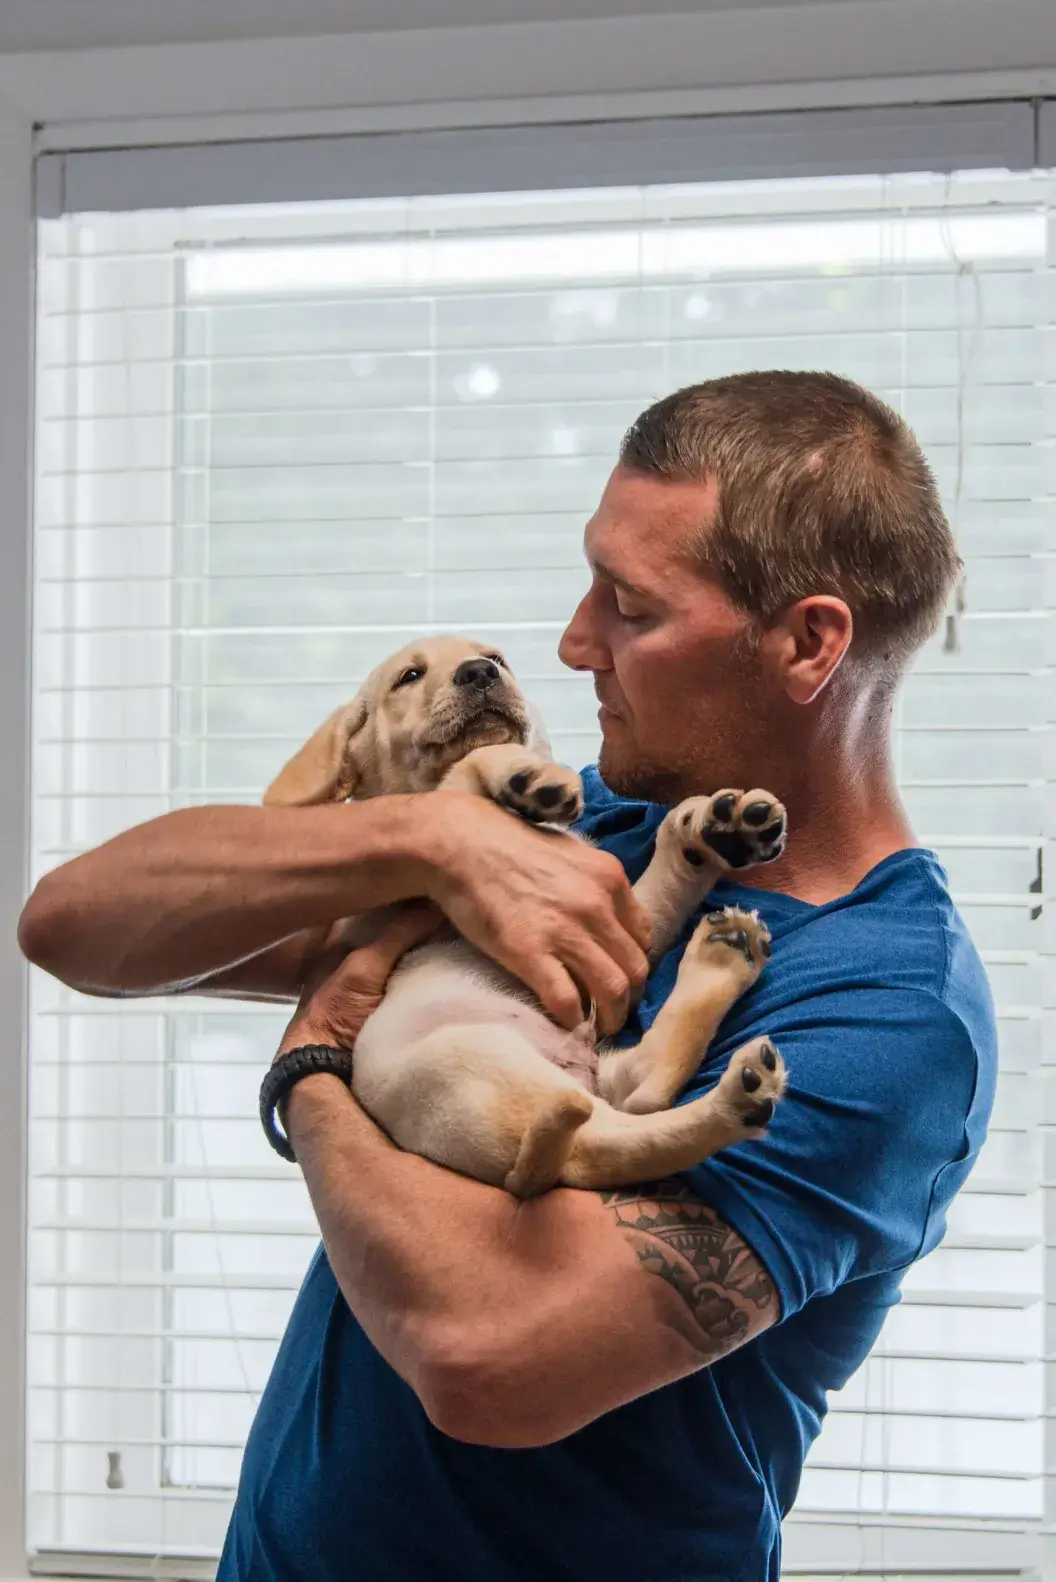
<point x="305" y="1061"/>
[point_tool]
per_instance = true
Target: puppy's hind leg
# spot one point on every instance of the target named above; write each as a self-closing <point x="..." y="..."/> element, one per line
<point x="480" y="1099"/>
<point x="547" y="1142"/>
<point x="616" y="1148"/>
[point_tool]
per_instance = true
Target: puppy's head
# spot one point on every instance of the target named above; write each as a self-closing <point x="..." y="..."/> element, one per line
<point x="415" y="715"/>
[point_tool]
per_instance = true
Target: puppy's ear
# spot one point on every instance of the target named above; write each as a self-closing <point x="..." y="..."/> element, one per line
<point x="327" y="768"/>
<point x="536" y="741"/>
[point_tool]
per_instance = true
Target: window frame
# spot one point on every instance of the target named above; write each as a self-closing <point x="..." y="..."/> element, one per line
<point x="16" y="472"/>
<point x="119" y="178"/>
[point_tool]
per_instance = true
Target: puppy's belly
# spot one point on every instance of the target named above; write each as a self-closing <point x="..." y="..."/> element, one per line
<point x="456" y="1061"/>
<point x="568" y="1051"/>
<point x="396" y="1027"/>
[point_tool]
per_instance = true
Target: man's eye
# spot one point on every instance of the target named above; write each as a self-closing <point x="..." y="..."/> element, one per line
<point x="413" y="674"/>
<point x="628" y="614"/>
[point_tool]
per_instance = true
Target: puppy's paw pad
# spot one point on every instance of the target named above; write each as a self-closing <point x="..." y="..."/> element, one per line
<point x="543" y="793"/>
<point x="733" y="829"/>
<point x="753" y="1085"/>
<point x="735" y="929"/>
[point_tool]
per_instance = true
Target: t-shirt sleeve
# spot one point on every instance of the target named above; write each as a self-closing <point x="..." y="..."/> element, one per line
<point x="881" y="1082"/>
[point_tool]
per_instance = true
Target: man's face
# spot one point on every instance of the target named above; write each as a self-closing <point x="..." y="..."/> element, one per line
<point x="683" y="695"/>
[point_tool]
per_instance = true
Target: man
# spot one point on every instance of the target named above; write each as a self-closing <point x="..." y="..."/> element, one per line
<point x="620" y="1385"/>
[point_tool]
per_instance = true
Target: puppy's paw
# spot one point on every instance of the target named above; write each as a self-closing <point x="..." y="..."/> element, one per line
<point x="732" y="929"/>
<point x="541" y="792"/>
<point x="752" y="1086"/>
<point x="730" y="830"/>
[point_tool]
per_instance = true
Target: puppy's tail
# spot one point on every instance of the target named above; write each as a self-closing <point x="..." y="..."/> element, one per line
<point x="547" y="1142"/>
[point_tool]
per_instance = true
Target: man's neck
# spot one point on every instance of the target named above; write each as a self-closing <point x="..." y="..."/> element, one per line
<point x="841" y="823"/>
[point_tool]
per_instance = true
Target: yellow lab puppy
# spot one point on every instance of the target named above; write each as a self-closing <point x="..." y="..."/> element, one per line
<point x="459" y="1063"/>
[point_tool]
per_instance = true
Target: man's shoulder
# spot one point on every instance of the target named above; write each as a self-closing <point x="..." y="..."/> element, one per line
<point x="884" y="974"/>
<point x="898" y="929"/>
<point x="891" y="964"/>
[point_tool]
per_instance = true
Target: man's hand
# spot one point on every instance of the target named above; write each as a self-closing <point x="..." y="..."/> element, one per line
<point x="344" y="987"/>
<point x="232" y="899"/>
<point x="557" y="913"/>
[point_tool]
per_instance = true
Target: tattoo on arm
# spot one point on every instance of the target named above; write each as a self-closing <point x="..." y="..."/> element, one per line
<point x="725" y="1288"/>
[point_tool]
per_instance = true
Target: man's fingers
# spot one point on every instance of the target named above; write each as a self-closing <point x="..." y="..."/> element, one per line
<point x="413" y="925"/>
<point x="623" y="953"/>
<point x="605" y="982"/>
<point x="410" y="927"/>
<point x="558" y="994"/>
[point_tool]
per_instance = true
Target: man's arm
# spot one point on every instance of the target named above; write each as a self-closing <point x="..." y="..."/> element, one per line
<point x="275" y="975"/>
<point x="680" y="1239"/>
<point x="518" y="1323"/>
<point x="162" y="906"/>
<point x="209" y="899"/>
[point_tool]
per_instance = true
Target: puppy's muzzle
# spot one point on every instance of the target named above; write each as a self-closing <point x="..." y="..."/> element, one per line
<point x="480" y="674"/>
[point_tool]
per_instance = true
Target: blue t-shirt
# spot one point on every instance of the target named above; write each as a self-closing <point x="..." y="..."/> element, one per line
<point x="881" y="1009"/>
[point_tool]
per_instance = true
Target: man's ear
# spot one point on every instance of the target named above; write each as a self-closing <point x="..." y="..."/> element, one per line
<point x="328" y="766"/>
<point x="808" y="643"/>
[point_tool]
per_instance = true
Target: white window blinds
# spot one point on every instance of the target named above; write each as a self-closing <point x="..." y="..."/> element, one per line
<point x="273" y="444"/>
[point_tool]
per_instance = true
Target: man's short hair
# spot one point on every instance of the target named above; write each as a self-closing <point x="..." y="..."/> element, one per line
<point x="822" y="489"/>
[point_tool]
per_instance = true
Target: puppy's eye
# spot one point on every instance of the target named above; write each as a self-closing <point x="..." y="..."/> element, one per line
<point x="496" y="659"/>
<point x="413" y="674"/>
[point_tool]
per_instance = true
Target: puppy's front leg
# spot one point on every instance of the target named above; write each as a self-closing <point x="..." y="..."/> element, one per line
<point x="700" y="840"/>
<point x="725" y="955"/>
<point x="535" y="788"/>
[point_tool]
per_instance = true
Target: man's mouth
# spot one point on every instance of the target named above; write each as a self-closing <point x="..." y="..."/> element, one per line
<point x="606" y="706"/>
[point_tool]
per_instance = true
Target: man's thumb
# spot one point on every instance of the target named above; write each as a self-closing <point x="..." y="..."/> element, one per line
<point x="411" y="926"/>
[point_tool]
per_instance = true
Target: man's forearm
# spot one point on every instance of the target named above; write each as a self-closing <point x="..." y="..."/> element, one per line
<point x="201" y="889"/>
<point x="487" y="1306"/>
<point x="420" y="1253"/>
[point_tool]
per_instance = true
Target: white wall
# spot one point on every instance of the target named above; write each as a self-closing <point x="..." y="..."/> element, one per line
<point x="713" y="58"/>
<point x="81" y="24"/>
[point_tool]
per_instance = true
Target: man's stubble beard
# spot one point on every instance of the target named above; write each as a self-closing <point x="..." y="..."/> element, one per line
<point x="640" y="780"/>
<point x="700" y="766"/>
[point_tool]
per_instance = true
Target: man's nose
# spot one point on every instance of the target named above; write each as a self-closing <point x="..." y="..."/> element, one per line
<point x="580" y="648"/>
<point x="479" y="673"/>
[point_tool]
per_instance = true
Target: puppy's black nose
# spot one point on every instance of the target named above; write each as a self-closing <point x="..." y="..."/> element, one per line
<point x="481" y="673"/>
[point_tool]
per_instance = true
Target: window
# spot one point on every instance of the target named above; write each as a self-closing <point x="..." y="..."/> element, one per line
<point x="275" y="443"/>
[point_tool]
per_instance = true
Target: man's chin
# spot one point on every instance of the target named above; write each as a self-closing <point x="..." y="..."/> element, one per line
<point x="637" y="779"/>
